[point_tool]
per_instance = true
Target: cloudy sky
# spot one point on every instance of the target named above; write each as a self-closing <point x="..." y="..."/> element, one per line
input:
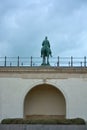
<point x="25" y="23"/>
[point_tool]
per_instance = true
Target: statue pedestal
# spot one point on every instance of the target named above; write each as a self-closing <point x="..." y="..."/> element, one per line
<point x="45" y="64"/>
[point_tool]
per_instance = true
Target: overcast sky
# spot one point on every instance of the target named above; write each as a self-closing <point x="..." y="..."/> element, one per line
<point x="25" y="23"/>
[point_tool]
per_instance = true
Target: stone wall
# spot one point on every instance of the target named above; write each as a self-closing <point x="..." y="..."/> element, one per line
<point x="16" y="83"/>
<point x="43" y="127"/>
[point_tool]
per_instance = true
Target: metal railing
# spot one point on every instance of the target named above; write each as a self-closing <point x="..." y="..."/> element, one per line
<point x="37" y="61"/>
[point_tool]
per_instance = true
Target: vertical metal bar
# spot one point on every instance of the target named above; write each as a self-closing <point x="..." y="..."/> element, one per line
<point x="18" y="62"/>
<point x="5" y="61"/>
<point x="58" y="61"/>
<point x="84" y="61"/>
<point x="31" y="62"/>
<point x="10" y="64"/>
<point x="22" y="64"/>
<point x="71" y="61"/>
<point x="81" y="63"/>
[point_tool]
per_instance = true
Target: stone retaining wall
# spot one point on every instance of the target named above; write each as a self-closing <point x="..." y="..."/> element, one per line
<point x="43" y="127"/>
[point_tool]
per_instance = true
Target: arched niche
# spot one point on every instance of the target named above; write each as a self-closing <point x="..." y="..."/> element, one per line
<point x="44" y="100"/>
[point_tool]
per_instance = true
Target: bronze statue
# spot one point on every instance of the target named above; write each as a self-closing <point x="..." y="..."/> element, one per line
<point x="45" y="51"/>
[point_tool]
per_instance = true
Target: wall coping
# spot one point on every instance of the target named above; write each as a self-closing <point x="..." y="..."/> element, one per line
<point x="81" y="70"/>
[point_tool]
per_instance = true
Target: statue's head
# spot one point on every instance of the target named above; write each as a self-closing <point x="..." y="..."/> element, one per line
<point x="46" y="38"/>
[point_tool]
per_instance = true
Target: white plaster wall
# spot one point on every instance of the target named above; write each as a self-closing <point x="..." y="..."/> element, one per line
<point x="12" y="94"/>
<point x="0" y="102"/>
<point x="10" y="89"/>
<point x="75" y="91"/>
<point x="14" y="90"/>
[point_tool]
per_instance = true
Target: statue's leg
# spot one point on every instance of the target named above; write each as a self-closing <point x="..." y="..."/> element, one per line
<point x="41" y="52"/>
<point x="44" y="60"/>
<point x="47" y="60"/>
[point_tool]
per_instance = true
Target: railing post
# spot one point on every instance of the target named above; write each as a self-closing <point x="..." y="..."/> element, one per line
<point x="84" y="61"/>
<point x="81" y="63"/>
<point x="10" y="64"/>
<point x="5" y="61"/>
<point x="22" y="64"/>
<point x="18" y="62"/>
<point x="58" y="61"/>
<point x="71" y="61"/>
<point x="31" y="62"/>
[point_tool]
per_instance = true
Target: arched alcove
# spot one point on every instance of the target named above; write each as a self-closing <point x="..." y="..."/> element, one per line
<point x="44" y="100"/>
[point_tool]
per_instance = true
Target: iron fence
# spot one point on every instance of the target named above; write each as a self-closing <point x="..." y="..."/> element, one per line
<point x="37" y="61"/>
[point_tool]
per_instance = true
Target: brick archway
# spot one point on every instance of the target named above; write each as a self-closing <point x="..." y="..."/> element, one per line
<point x="43" y="101"/>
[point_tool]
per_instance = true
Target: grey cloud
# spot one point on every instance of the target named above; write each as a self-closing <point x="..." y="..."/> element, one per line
<point x="24" y="24"/>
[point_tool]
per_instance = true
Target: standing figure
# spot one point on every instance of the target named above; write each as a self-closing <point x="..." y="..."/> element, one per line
<point x="45" y="51"/>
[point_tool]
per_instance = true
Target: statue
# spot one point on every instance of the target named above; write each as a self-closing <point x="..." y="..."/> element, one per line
<point x="45" y="51"/>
